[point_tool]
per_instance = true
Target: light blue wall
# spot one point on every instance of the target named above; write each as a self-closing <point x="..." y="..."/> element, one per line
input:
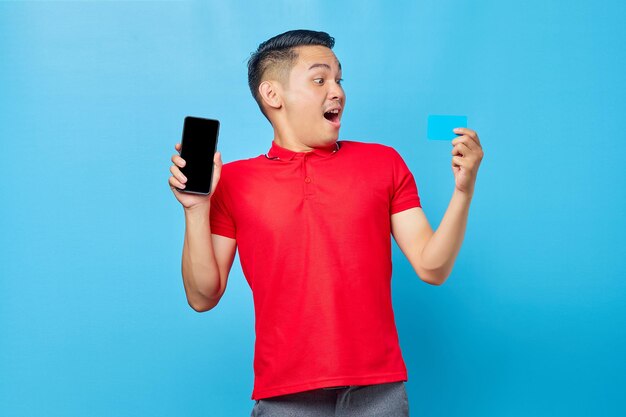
<point x="93" y="316"/>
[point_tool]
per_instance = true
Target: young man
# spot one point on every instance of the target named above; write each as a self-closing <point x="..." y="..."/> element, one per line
<point x="312" y="220"/>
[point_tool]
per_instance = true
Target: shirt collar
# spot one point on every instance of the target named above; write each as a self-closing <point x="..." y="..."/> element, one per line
<point x="278" y="152"/>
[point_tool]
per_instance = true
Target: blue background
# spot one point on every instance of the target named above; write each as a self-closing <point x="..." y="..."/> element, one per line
<point x="93" y="316"/>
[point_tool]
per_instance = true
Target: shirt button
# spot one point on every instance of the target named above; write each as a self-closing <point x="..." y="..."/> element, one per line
<point x="307" y="180"/>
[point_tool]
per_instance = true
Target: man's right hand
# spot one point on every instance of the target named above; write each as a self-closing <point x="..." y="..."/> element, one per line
<point x="178" y="180"/>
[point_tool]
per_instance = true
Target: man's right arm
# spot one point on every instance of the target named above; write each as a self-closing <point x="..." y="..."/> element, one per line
<point x="207" y="259"/>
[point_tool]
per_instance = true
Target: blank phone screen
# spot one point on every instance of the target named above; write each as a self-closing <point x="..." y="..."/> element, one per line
<point x="199" y="144"/>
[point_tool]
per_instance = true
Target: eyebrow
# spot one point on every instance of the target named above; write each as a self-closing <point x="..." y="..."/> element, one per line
<point x="324" y="66"/>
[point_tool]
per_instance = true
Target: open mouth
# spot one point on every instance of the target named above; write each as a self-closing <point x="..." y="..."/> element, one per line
<point x="332" y="115"/>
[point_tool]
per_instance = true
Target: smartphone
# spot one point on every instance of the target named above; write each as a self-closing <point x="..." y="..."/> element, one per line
<point x="198" y="147"/>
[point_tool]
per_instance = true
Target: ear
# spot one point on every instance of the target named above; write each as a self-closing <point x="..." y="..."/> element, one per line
<point x="270" y="94"/>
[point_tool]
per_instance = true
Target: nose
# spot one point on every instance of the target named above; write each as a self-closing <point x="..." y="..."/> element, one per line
<point x="336" y="92"/>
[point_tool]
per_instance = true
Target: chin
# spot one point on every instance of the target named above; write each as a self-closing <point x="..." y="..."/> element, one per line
<point x="329" y="141"/>
<point x="321" y="140"/>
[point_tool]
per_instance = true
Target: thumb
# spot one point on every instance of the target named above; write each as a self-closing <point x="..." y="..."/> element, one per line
<point x="217" y="159"/>
<point x="217" y="169"/>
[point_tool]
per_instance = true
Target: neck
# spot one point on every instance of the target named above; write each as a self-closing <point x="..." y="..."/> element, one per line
<point x="292" y="145"/>
<point x="300" y="147"/>
<point x="285" y="138"/>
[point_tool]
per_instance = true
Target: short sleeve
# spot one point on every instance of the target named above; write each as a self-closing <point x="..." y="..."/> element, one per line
<point x="220" y="217"/>
<point x="405" y="194"/>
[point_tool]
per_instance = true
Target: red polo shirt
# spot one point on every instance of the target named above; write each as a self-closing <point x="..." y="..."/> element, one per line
<point x="313" y="232"/>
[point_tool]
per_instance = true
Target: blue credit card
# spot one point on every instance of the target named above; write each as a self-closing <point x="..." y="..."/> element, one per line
<point x="440" y="126"/>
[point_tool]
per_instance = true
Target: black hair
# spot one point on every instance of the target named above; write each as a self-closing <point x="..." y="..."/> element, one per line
<point x="279" y="51"/>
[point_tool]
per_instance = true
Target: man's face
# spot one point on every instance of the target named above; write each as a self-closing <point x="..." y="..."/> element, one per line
<point x="314" y="98"/>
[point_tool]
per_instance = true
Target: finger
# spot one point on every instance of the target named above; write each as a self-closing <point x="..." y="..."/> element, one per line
<point x="217" y="162"/>
<point x="176" y="173"/>
<point x="175" y="183"/>
<point x="459" y="161"/>
<point x="177" y="147"/>
<point x="178" y="161"/>
<point x="468" y="132"/>
<point x="465" y="131"/>
<point x="461" y="149"/>
<point x="467" y="140"/>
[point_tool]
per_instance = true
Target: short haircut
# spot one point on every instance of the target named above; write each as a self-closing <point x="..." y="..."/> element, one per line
<point x="276" y="56"/>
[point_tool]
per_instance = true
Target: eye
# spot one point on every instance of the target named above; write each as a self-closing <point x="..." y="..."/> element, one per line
<point x="319" y="81"/>
<point x="339" y="81"/>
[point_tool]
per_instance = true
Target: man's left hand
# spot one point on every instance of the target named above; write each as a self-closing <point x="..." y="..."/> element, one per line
<point x="467" y="155"/>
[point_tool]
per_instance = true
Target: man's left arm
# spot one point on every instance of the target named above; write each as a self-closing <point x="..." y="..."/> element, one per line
<point x="432" y="254"/>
